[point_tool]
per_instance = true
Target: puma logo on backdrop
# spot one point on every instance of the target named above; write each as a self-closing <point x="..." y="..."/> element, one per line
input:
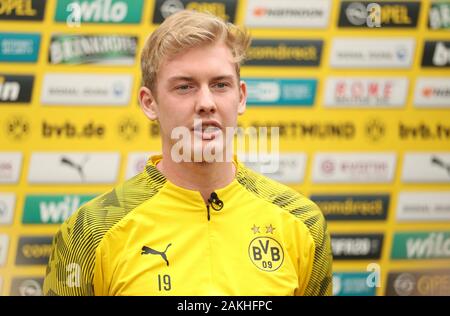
<point x="439" y="162"/>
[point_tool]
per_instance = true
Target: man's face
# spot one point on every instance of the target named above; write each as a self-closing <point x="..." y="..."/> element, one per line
<point x="199" y="84"/>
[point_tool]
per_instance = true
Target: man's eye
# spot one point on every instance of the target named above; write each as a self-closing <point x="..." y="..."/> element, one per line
<point x="221" y="85"/>
<point x="183" y="87"/>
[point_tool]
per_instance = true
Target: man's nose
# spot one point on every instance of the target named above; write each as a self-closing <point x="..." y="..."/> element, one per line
<point x="205" y="101"/>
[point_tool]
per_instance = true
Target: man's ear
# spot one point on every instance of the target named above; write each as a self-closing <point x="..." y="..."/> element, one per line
<point x="148" y="103"/>
<point x="242" y="97"/>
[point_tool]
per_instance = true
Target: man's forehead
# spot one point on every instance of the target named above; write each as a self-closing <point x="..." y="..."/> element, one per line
<point x="218" y="53"/>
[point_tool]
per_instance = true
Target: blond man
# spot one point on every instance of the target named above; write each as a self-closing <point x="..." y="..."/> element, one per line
<point x="187" y="226"/>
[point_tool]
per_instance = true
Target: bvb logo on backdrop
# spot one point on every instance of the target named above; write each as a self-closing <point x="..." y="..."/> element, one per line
<point x="375" y="129"/>
<point x="266" y="253"/>
<point x="128" y="128"/>
<point x="17" y="128"/>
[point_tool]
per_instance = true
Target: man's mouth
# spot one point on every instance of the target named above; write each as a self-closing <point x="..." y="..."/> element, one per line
<point x="207" y="130"/>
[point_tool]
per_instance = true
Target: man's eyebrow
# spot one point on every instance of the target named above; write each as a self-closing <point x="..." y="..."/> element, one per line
<point x="226" y="77"/>
<point x="181" y="78"/>
<point x="188" y="78"/>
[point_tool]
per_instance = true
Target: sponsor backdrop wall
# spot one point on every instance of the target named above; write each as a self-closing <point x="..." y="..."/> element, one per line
<point x="360" y="92"/>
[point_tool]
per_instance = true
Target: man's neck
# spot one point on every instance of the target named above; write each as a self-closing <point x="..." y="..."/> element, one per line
<point x="198" y="176"/>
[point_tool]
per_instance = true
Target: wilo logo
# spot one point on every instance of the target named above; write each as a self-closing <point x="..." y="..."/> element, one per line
<point x="422" y="245"/>
<point x="51" y="209"/>
<point x="98" y="11"/>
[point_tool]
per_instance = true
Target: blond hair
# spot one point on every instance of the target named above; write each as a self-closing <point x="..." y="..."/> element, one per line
<point x="188" y="29"/>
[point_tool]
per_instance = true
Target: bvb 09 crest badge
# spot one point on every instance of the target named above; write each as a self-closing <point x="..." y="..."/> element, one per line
<point x="266" y="253"/>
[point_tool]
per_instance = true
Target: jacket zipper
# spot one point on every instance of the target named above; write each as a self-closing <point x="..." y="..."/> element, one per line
<point x="207" y="208"/>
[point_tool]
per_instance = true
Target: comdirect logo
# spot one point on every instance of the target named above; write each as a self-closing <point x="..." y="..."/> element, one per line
<point x="34" y="250"/>
<point x="421" y="245"/>
<point x="22" y="10"/>
<point x="419" y="283"/>
<point x="285" y="53"/>
<point x="19" y="47"/>
<point x="27" y="287"/>
<point x="436" y="54"/>
<point x="439" y="15"/>
<point x="353" y="207"/>
<point x="224" y="9"/>
<point x="356" y="246"/>
<point x="99" y="11"/>
<point x="90" y="49"/>
<point x="15" y="88"/>
<point x="52" y="209"/>
<point x="70" y="130"/>
<point x="388" y="14"/>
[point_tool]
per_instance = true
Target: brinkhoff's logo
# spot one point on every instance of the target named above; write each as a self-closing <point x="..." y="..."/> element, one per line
<point x="147" y="250"/>
<point x="265" y="252"/>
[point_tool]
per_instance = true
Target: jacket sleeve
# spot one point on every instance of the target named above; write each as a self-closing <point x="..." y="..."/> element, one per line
<point x="320" y="280"/>
<point x="70" y="267"/>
